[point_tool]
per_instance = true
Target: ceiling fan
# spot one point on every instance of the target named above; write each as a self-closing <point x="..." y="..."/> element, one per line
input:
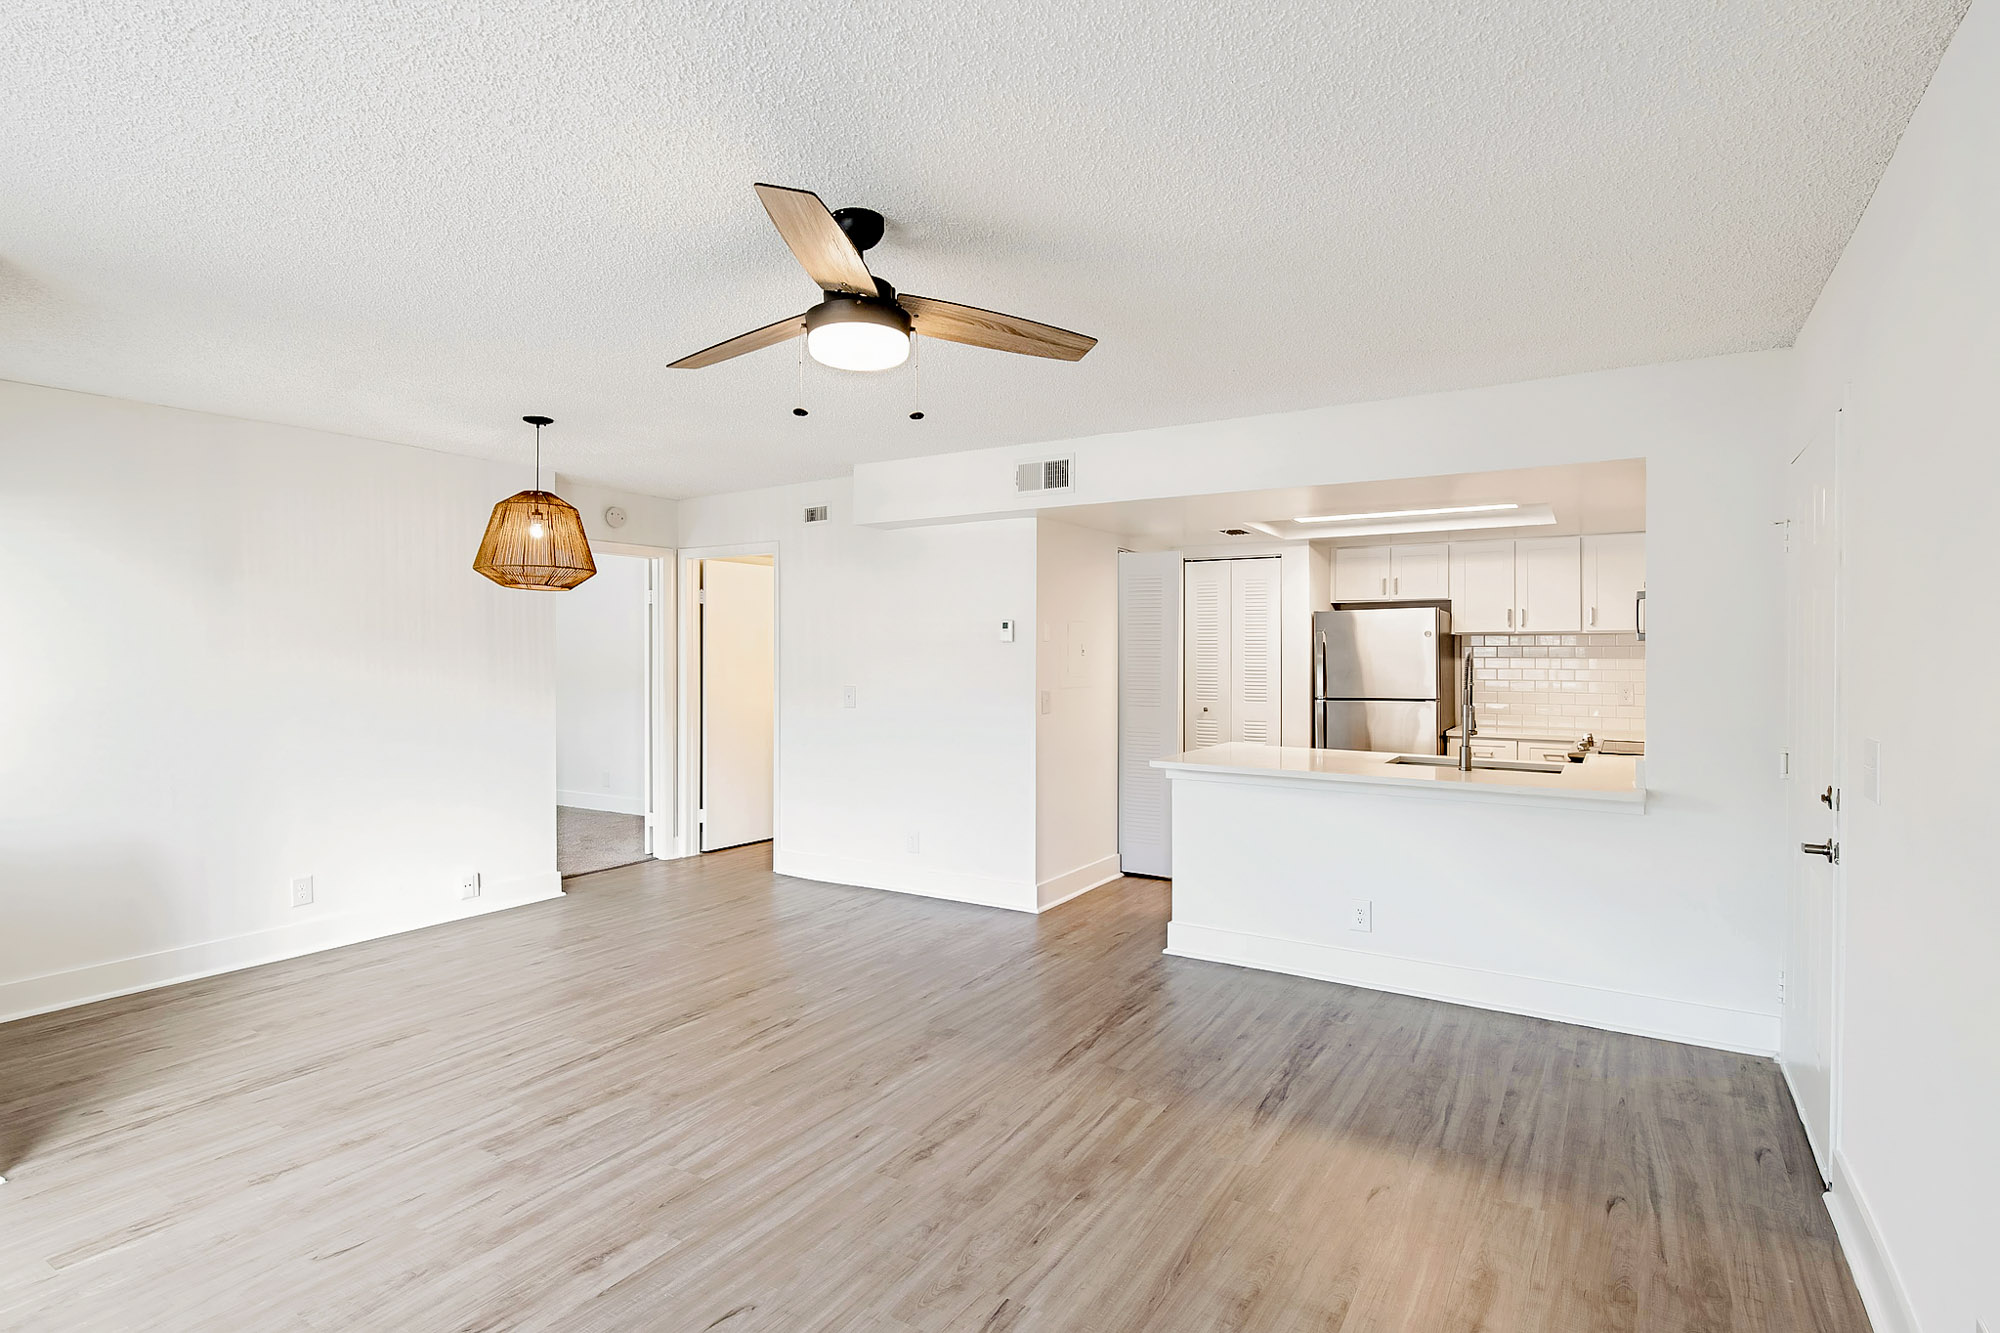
<point x="862" y="323"/>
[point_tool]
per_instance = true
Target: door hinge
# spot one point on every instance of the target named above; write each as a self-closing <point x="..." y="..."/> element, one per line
<point x="700" y="596"/>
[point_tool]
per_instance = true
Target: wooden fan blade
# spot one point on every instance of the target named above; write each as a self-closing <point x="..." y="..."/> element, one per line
<point x="768" y="336"/>
<point x="816" y="240"/>
<point x="990" y="328"/>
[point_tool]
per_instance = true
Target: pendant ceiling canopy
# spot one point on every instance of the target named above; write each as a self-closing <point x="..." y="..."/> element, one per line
<point x="535" y="538"/>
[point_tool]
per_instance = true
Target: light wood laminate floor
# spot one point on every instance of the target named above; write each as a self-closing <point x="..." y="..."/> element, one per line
<point x="701" y="1096"/>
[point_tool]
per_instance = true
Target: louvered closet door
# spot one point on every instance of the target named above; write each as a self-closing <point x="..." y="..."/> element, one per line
<point x="1149" y="707"/>
<point x="1253" y="650"/>
<point x="1205" y="671"/>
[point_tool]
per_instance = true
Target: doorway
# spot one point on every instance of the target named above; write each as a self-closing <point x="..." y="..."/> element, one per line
<point x="1809" y="1038"/>
<point x="607" y="680"/>
<point x="734" y="692"/>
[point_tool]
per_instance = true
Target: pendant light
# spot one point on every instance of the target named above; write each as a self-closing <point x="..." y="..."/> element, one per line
<point x="535" y="539"/>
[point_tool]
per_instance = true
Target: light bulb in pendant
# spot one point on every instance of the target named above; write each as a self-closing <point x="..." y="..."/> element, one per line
<point x="537" y="529"/>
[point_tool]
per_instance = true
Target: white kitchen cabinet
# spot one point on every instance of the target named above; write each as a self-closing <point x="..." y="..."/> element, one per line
<point x="1483" y="748"/>
<point x="1548" y="582"/>
<point x="1614" y="572"/>
<point x="1361" y="573"/>
<point x="1482" y="587"/>
<point x="1421" y="571"/>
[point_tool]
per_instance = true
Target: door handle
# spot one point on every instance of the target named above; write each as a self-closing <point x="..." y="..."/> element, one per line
<point x="1829" y="849"/>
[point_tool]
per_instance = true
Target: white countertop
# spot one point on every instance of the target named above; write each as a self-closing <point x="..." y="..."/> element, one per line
<point x="1602" y="781"/>
<point x="1528" y="731"/>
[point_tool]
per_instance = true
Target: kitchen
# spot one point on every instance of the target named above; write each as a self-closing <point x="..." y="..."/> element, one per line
<point x="1320" y="814"/>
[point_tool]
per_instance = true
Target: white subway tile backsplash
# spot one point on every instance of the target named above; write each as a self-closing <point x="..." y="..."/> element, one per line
<point x="1567" y="682"/>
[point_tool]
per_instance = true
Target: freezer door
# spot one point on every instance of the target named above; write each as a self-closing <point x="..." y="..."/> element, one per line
<point x="1399" y="726"/>
<point x="1388" y="653"/>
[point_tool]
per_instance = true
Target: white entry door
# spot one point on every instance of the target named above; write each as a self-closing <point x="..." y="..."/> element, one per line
<point x="1812" y="538"/>
<point x="737" y="676"/>
<point x="1231" y="652"/>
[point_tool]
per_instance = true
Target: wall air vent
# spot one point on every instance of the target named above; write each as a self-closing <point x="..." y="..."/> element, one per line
<point x="816" y="514"/>
<point x="1051" y="474"/>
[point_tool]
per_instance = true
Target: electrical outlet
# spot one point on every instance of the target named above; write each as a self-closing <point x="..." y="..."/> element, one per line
<point x="302" y="891"/>
<point x="468" y="884"/>
<point x="1361" y="916"/>
<point x="914" y="843"/>
<point x="1625" y="694"/>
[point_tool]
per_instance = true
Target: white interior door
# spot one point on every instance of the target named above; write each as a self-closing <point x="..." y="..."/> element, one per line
<point x="1254" y="656"/>
<point x="1205" y="653"/>
<point x="1812" y="537"/>
<point x="1149" y="707"/>
<point x="737" y="676"/>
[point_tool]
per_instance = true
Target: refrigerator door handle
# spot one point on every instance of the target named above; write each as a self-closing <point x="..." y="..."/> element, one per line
<point x="1319" y="664"/>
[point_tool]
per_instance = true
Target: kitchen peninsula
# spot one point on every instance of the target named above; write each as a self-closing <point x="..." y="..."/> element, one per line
<point x="1506" y="889"/>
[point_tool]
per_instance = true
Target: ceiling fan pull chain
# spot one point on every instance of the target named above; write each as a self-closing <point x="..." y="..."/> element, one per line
<point x="800" y="410"/>
<point x="916" y="382"/>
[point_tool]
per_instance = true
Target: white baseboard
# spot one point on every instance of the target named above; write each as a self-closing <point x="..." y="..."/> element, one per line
<point x="597" y="800"/>
<point x="1058" y="889"/>
<point x="124" y="976"/>
<point x="956" y="885"/>
<point x="1875" y="1277"/>
<point x="1563" y="1001"/>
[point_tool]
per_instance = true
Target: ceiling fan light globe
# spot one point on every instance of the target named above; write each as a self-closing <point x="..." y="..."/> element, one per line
<point x="858" y="346"/>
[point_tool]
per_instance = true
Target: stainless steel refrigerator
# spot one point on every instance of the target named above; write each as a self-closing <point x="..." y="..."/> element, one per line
<point x="1383" y="680"/>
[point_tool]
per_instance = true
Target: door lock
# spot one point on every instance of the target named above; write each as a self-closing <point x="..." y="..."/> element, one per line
<point x="1830" y="799"/>
<point x="1829" y="849"/>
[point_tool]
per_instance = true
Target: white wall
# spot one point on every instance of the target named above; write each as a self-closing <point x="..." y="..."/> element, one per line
<point x="649" y="519"/>
<point x="1685" y="904"/>
<point x="236" y="653"/>
<point x="1076" y="739"/>
<point x="1908" y="329"/>
<point x="601" y="669"/>
<point x="941" y="744"/>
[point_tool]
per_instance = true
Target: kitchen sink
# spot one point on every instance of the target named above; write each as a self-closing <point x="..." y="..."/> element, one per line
<point x="1504" y="765"/>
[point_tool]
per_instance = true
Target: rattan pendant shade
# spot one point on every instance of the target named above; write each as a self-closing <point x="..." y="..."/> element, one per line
<point x="535" y="539"/>
<point x="514" y="557"/>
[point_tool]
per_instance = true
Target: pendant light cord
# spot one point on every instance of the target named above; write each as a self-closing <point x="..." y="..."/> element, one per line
<point x="538" y="455"/>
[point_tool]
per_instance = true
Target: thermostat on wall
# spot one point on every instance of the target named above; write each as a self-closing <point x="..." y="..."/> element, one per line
<point x="614" y="517"/>
<point x="1006" y="631"/>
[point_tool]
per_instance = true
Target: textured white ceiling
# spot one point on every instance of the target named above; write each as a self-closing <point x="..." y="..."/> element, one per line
<point x="418" y="222"/>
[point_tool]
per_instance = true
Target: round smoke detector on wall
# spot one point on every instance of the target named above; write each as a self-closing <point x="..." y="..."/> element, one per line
<point x="614" y="517"/>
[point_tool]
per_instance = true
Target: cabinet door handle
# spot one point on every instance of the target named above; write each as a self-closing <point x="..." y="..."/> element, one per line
<point x="1524" y="617"/>
<point x="1510" y="617"/>
<point x="1399" y="583"/>
<point x="1593" y="615"/>
<point x="1385" y="586"/>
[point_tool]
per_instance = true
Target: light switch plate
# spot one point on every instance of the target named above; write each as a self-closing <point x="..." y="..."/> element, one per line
<point x="849" y="696"/>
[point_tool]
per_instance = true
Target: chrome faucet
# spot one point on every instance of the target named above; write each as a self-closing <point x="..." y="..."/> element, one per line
<point x="1471" y="728"/>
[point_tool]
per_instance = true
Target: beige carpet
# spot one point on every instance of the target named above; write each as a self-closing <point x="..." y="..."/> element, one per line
<point x="588" y="840"/>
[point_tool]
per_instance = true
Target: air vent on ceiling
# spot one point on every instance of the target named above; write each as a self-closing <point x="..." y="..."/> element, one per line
<point x="1235" y="532"/>
<point x="816" y="514"/>
<point x="1051" y="474"/>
